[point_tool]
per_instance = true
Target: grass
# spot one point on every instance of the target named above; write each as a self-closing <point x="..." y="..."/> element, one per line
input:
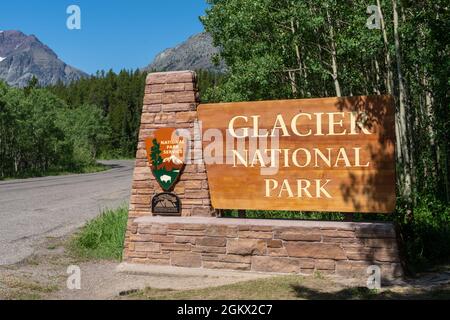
<point x="101" y="238"/>
<point x="25" y="289"/>
<point x="32" y="286"/>
<point x="288" y="288"/>
<point x="270" y="288"/>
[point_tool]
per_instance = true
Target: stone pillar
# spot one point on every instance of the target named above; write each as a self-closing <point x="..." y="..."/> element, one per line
<point x="170" y="100"/>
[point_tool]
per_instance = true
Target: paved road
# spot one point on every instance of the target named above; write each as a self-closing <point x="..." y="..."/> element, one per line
<point x="33" y="209"/>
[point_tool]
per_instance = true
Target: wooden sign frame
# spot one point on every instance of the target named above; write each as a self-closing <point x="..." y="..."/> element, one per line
<point x="340" y="158"/>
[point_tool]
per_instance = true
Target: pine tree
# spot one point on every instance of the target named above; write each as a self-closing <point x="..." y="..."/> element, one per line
<point x="155" y="154"/>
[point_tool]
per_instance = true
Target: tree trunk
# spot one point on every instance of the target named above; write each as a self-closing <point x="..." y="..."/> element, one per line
<point x="389" y="78"/>
<point x="292" y="80"/>
<point x="334" y="66"/>
<point x="429" y="121"/>
<point x="377" y="73"/>
<point x="298" y="56"/>
<point x="403" y="116"/>
<point x="389" y="82"/>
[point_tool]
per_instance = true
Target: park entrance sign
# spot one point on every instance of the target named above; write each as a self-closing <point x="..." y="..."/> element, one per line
<point x="331" y="154"/>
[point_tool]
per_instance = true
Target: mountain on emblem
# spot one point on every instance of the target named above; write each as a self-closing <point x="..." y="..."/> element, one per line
<point x="174" y="160"/>
<point x="166" y="151"/>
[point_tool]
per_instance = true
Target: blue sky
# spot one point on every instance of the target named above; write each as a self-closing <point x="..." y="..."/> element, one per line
<point x="114" y="33"/>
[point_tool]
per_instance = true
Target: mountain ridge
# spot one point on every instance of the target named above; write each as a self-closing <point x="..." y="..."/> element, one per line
<point x="24" y="56"/>
<point x="196" y="53"/>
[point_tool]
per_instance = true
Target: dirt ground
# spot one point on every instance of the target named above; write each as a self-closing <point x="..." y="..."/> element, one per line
<point x="44" y="276"/>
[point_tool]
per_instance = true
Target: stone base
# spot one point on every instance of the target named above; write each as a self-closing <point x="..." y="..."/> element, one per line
<point x="282" y="246"/>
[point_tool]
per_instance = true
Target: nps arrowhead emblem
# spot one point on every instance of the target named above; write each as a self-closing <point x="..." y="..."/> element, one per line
<point x="166" y="154"/>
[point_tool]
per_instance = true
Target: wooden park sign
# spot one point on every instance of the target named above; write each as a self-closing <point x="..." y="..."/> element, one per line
<point x="330" y="154"/>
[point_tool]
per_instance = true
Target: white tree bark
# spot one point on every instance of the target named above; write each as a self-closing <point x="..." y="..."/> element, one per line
<point x="402" y="116"/>
<point x="334" y="65"/>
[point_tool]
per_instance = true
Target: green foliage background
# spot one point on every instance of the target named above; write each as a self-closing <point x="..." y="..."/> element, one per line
<point x="40" y="133"/>
<point x="119" y="97"/>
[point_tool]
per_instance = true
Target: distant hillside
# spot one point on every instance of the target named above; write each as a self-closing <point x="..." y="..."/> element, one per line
<point x="193" y="54"/>
<point x="22" y="57"/>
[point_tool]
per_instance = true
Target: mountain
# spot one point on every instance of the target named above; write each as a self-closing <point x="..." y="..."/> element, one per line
<point x="174" y="160"/>
<point x="193" y="54"/>
<point x="23" y="56"/>
<point x="171" y="163"/>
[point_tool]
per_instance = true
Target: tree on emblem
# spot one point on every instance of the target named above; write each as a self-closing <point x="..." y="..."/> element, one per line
<point x="155" y="154"/>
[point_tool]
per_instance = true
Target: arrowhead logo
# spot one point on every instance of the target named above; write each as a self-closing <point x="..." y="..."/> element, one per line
<point x="166" y="153"/>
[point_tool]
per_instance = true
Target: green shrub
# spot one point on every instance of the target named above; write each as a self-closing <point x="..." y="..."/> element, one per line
<point x="426" y="236"/>
<point x="103" y="237"/>
<point x="274" y="214"/>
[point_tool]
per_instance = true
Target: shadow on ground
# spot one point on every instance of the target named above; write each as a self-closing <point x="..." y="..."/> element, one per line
<point x="363" y="293"/>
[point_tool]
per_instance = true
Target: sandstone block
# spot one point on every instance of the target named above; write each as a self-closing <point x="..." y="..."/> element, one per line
<point x="152" y="108"/>
<point x="186" y="259"/>
<point x="147" y="118"/>
<point x="147" y="246"/>
<point x="274" y="243"/>
<point x="355" y="269"/>
<point x="163" y="238"/>
<point x="222" y="231"/>
<point x="175" y="247"/>
<point x="180" y="76"/>
<point x="173" y="87"/>
<point x="211" y="242"/>
<point x="153" y="98"/>
<point x="225" y="265"/>
<point x="205" y="249"/>
<point x="299" y="236"/>
<point x="193" y="184"/>
<point x="176" y="232"/>
<point x="277" y="252"/>
<point x="177" y="107"/>
<point x="307" y="263"/>
<point x="275" y="264"/>
<point x="185" y="239"/>
<point x="325" y="264"/>
<point x="234" y="258"/>
<point x="315" y="250"/>
<point x="152" y="229"/>
<point x="156" y="78"/>
<point x="246" y="247"/>
<point x="255" y="234"/>
<point x="187" y="226"/>
<point x="338" y="233"/>
<point x="136" y="254"/>
<point x="203" y="211"/>
<point x="189" y="116"/>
